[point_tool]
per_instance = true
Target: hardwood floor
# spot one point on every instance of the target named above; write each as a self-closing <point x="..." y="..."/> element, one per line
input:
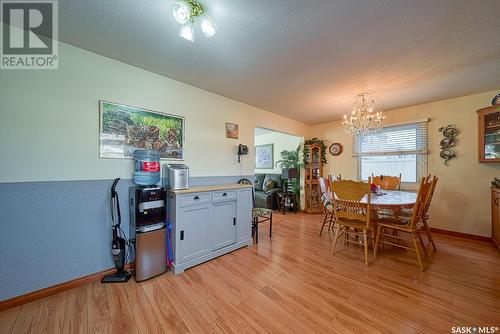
<point x="288" y="284"/>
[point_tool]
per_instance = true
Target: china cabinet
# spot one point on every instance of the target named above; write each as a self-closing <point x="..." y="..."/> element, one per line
<point x="313" y="171"/>
<point x="489" y="134"/>
<point x="495" y="216"/>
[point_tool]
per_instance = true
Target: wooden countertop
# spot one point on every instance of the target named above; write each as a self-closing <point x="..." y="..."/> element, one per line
<point x="210" y="188"/>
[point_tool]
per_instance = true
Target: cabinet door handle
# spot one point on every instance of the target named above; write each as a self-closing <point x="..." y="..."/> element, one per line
<point x="234" y="221"/>
<point x="496" y="201"/>
<point x="196" y="197"/>
<point x="224" y="194"/>
<point x="182" y="235"/>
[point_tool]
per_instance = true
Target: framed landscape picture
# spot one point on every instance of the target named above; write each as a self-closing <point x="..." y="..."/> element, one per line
<point x="264" y="156"/>
<point x="124" y="129"/>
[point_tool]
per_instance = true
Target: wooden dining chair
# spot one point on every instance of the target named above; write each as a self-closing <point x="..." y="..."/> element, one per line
<point x="409" y="225"/>
<point x="325" y="190"/>
<point x="351" y="212"/>
<point x="329" y="212"/>
<point x="425" y="213"/>
<point x="387" y="182"/>
<point x="324" y="185"/>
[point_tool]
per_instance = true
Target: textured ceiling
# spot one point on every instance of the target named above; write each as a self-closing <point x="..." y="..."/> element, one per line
<point x="304" y="59"/>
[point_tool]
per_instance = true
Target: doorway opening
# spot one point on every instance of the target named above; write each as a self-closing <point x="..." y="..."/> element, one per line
<point x="277" y="176"/>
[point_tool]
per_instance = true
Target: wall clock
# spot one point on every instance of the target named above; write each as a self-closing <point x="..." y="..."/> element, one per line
<point x="335" y="149"/>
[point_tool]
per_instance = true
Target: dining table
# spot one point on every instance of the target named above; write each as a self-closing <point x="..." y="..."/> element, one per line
<point x="386" y="201"/>
<point x="392" y="199"/>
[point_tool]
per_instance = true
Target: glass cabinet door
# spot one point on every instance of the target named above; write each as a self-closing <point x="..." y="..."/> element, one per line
<point x="489" y="134"/>
<point x="315" y="163"/>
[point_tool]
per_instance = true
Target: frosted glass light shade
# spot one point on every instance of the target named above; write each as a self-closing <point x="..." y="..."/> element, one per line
<point x="208" y="26"/>
<point x="187" y="31"/>
<point x="181" y="11"/>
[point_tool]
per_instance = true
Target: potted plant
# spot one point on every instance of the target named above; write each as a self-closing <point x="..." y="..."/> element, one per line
<point x="291" y="163"/>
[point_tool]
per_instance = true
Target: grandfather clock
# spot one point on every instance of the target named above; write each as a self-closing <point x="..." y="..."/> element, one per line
<point x="314" y="170"/>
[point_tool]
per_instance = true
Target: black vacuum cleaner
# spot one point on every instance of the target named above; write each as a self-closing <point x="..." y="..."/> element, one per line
<point x="118" y="244"/>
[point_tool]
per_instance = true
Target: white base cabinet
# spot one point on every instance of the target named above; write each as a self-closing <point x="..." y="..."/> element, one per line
<point x="223" y="224"/>
<point x="194" y="238"/>
<point x="209" y="222"/>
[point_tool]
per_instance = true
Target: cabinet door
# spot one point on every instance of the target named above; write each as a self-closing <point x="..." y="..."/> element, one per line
<point x="495" y="219"/>
<point x="244" y="220"/>
<point x="223" y="224"/>
<point x="489" y="138"/>
<point x="193" y="234"/>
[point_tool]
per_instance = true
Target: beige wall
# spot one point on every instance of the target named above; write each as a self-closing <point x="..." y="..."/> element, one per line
<point x="49" y="120"/>
<point x="462" y="199"/>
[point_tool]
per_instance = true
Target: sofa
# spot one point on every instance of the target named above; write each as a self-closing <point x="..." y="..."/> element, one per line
<point x="266" y="197"/>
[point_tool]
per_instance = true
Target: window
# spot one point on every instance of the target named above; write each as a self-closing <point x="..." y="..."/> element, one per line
<point x="393" y="150"/>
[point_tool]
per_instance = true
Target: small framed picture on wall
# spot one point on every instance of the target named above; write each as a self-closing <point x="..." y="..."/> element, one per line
<point x="232" y="130"/>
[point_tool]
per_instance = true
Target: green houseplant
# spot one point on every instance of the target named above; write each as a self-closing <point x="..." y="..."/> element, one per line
<point x="291" y="159"/>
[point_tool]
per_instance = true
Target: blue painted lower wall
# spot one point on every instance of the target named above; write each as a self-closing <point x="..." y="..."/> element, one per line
<point x="53" y="232"/>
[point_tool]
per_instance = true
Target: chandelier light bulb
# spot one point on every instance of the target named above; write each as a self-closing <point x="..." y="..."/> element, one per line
<point x="208" y="26"/>
<point x="181" y="11"/>
<point x="187" y="32"/>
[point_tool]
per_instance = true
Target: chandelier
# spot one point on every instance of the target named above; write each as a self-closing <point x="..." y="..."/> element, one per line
<point x="185" y="12"/>
<point x="363" y="118"/>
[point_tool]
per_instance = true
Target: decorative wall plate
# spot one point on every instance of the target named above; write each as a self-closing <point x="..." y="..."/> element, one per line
<point x="447" y="154"/>
<point x="450" y="131"/>
<point x="447" y="142"/>
<point x="335" y="149"/>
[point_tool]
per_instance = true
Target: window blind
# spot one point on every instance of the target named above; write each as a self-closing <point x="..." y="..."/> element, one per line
<point x="394" y="140"/>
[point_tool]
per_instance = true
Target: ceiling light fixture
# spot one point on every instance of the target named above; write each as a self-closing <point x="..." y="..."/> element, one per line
<point x="185" y="12"/>
<point x="363" y="119"/>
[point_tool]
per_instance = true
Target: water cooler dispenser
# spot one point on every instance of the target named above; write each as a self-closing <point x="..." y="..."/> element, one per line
<point x="147" y="229"/>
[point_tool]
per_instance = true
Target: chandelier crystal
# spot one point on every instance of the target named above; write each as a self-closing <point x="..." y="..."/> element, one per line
<point x="363" y="117"/>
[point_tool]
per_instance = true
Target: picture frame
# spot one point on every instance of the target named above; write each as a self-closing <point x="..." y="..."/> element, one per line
<point x="124" y="129"/>
<point x="232" y="130"/>
<point x="264" y="156"/>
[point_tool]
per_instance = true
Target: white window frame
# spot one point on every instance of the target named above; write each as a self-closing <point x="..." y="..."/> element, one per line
<point x="422" y="158"/>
